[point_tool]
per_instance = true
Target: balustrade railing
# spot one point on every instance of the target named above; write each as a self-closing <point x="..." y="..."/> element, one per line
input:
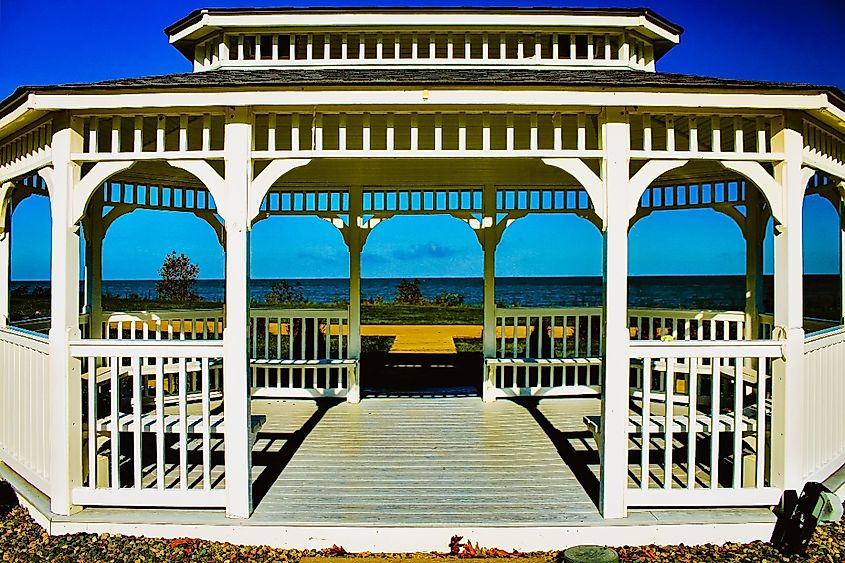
<point x="177" y="324"/>
<point x="152" y="423"/>
<point x="700" y="418"/>
<point x="556" y="351"/>
<point x="823" y="391"/>
<point x="300" y="352"/>
<point x="24" y="405"/>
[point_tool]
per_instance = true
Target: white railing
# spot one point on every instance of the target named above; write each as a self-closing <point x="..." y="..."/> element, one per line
<point x="177" y="324"/>
<point x="40" y="325"/>
<point x="24" y="405"/>
<point x="293" y="352"/>
<point x="555" y="351"/>
<point x="824" y="392"/>
<point x="655" y="324"/>
<point x="546" y="352"/>
<point x="152" y="423"/>
<point x="300" y="353"/>
<point x="701" y="420"/>
<point x="811" y="324"/>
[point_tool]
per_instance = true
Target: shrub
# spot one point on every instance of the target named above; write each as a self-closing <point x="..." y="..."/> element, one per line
<point x="178" y="279"/>
<point x="449" y="299"/>
<point x="408" y="293"/>
<point x="282" y="291"/>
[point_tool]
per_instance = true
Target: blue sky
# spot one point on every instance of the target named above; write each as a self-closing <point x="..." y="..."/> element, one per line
<point x="82" y="41"/>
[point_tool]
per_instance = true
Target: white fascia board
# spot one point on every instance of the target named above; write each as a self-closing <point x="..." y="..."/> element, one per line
<point x="18" y="117"/>
<point x="197" y="28"/>
<point x="419" y="21"/>
<point x="659" y="32"/>
<point x="433" y="97"/>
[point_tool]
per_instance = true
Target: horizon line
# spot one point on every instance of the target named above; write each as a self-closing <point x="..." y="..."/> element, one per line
<point x="442" y="277"/>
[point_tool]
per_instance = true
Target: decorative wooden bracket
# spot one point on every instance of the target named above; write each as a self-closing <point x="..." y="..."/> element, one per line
<point x="206" y="174"/>
<point x="640" y="181"/>
<point x="764" y="181"/>
<point x="590" y="181"/>
<point x="261" y="184"/>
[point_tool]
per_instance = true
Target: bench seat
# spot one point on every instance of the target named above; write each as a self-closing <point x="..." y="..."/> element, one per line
<point x="194" y="423"/>
<point x="277" y="362"/>
<point x="517" y="362"/>
<point x="149" y="370"/>
<point x="679" y="424"/>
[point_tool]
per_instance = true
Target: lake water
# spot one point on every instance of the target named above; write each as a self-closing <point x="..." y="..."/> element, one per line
<point x="705" y="292"/>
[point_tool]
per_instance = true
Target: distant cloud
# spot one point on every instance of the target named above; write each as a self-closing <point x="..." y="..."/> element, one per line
<point x="428" y="251"/>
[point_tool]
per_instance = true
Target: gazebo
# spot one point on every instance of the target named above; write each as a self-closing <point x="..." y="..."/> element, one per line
<point x="122" y="420"/>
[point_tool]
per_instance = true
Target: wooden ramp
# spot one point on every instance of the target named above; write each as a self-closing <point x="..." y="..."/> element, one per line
<point x="424" y="462"/>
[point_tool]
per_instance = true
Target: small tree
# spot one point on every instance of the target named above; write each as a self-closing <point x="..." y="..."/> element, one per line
<point x="408" y="293"/>
<point x="282" y="291"/>
<point x="178" y="278"/>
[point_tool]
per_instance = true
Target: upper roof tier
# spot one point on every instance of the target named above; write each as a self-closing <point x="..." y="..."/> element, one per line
<point x="423" y="37"/>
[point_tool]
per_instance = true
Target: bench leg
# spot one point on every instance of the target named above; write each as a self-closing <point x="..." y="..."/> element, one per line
<point x="488" y="388"/>
<point x="353" y="387"/>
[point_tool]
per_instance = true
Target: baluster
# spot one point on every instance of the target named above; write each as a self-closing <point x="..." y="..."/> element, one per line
<point x="668" y="439"/>
<point x="715" y="421"/>
<point x="115" y="134"/>
<point x="692" y="389"/>
<point x="716" y="130"/>
<point x="183" y="424"/>
<point x="206" y="426"/>
<point x="93" y="398"/>
<point x="761" y="421"/>
<point x="582" y="132"/>
<point x="645" y="468"/>
<point x="159" y="406"/>
<point x="135" y="365"/>
<point x="114" y="426"/>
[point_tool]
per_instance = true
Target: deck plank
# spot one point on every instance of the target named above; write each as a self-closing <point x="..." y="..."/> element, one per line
<point x="418" y="460"/>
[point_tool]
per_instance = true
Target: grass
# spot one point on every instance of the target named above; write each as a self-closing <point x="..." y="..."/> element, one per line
<point x="392" y="313"/>
<point x="35" y="306"/>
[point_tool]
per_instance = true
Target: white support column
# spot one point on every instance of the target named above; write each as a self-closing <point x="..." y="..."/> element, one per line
<point x="94" y="271"/>
<point x="616" y="363"/>
<point x="488" y="244"/>
<point x="356" y="244"/>
<point x="787" y="385"/>
<point x="5" y="263"/>
<point x="753" y="232"/>
<point x="65" y="380"/>
<point x="236" y="406"/>
<point x="841" y="259"/>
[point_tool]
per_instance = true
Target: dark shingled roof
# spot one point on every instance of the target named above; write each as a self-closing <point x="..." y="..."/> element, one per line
<point x="268" y="79"/>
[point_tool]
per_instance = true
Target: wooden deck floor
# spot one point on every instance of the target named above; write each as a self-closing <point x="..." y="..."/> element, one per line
<point x="421" y="461"/>
<point x="405" y="474"/>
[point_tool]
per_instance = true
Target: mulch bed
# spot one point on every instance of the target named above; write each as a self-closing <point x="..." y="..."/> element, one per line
<point x="22" y="540"/>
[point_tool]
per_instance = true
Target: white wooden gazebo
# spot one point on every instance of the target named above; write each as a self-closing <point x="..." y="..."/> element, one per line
<point x="359" y="115"/>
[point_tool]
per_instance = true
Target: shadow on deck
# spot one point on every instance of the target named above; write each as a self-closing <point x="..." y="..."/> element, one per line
<point x="421" y="375"/>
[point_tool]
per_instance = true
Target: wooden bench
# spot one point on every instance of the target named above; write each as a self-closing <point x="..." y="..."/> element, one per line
<point x="346" y="363"/>
<point x="679" y="424"/>
<point x="534" y="362"/>
<point x="194" y="423"/>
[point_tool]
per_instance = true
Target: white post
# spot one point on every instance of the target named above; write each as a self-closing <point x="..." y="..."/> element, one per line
<point x="616" y="363"/>
<point x="355" y="243"/>
<point x="236" y="406"/>
<point x="488" y="244"/>
<point x="5" y="263"/>
<point x="787" y="387"/>
<point x="94" y="272"/>
<point x="841" y="259"/>
<point x="65" y="381"/>
<point x="753" y="233"/>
